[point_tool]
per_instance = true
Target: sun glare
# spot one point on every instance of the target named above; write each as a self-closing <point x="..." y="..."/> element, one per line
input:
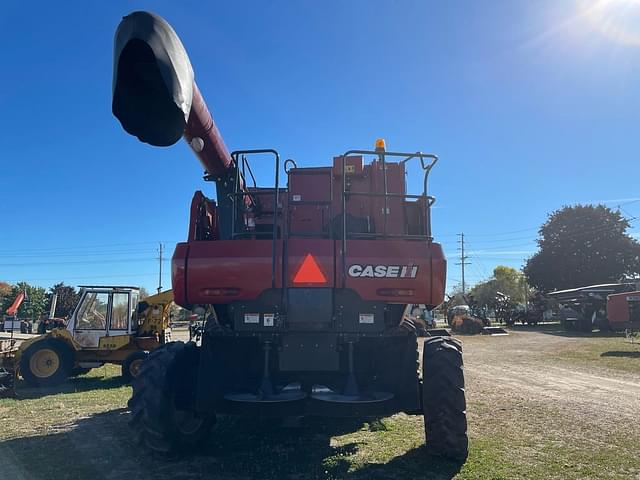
<point x="618" y="20"/>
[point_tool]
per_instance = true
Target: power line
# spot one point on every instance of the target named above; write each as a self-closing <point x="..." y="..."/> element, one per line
<point x="82" y="247"/>
<point x="81" y="262"/>
<point x="533" y="236"/>
<point x="493" y="234"/>
<point x="83" y="254"/>
<point x="83" y="277"/>
<point x="592" y="230"/>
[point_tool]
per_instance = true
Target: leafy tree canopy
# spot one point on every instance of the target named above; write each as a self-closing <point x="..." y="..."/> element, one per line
<point x="67" y="299"/>
<point x="583" y="245"/>
<point x="506" y="280"/>
<point x="33" y="306"/>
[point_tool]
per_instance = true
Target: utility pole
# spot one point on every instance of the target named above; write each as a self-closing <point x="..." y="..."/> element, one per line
<point x="462" y="261"/>
<point x="160" y="273"/>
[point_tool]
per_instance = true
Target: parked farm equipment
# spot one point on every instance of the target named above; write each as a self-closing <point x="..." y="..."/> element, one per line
<point x="420" y="318"/>
<point x="611" y="306"/>
<point x="623" y="311"/>
<point x="464" y="319"/>
<point x="109" y="325"/>
<point x="309" y="282"/>
<point x="11" y="322"/>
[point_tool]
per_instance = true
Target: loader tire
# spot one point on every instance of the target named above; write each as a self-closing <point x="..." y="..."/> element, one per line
<point x="162" y="415"/>
<point x="443" y="398"/>
<point x="46" y="363"/>
<point x="131" y="365"/>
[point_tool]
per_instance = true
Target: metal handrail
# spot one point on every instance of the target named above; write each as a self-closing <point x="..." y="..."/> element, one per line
<point x="276" y="192"/>
<point x="381" y="154"/>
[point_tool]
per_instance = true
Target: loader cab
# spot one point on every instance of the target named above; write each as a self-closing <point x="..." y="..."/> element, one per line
<point x="104" y="312"/>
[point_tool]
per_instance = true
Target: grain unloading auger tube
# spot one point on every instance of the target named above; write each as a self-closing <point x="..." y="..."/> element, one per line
<point x="155" y="96"/>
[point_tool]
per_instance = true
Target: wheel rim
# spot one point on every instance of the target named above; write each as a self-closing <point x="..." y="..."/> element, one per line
<point x="134" y="367"/>
<point x="187" y="422"/>
<point x="44" y="363"/>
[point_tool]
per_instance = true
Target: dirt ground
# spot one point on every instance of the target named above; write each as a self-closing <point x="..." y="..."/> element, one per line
<point x="541" y="404"/>
<point x="528" y="366"/>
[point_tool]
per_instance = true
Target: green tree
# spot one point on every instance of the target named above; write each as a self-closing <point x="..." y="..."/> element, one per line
<point x="68" y="298"/>
<point x="5" y="294"/>
<point x="506" y="280"/>
<point x="583" y="245"/>
<point x="32" y="307"/>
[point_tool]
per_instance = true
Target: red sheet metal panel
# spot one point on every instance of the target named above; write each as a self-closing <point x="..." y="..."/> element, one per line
<point x="393" y="271"/>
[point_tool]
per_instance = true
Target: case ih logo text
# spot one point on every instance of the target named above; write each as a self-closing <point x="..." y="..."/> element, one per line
<point x="383" y="271"/>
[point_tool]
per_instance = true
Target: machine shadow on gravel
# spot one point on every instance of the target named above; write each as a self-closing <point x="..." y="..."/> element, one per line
<point x="621" y="354"/>
<point x="239" y="448"/>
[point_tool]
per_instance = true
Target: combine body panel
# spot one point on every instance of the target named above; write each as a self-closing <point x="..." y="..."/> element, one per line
<point x="308" y="278"/>
<point x="392" y="266"/>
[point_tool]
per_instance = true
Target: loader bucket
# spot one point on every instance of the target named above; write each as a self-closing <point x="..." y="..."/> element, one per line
<point x="494" y="331"/>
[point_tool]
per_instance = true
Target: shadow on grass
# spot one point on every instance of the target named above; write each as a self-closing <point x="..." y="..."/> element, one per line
<point x="72" y="385"/>
<point x="556" y="329"/>
<point x="102" y="446"/>
<point x="621" y="354"/>
<point x="540" y="327"/>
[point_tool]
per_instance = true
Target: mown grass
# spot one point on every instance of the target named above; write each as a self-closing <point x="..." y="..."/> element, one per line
<point x="608" y="353"/>
<point x="603" y="350"/>
<point x="79" y="431"/>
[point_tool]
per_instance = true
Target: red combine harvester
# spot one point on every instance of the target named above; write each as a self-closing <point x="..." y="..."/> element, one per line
<point x="305" y="285"/>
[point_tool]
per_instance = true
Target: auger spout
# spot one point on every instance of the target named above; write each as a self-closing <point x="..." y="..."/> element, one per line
<point x="155" y="97"/>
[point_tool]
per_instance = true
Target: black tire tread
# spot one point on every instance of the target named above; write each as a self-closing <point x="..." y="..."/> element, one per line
<point x="444" y="403"/>
<point x="152" y="402"/>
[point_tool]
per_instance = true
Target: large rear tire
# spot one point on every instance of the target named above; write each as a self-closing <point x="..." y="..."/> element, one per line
<point x="46" y="363"/>
<point x="443" y="398"/>
<point x="162" y="413"/>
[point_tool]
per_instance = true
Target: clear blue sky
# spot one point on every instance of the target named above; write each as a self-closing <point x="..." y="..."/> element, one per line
<point x="530" y="106"/>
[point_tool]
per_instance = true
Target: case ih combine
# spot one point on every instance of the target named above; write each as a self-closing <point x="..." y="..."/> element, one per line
<point x="306" y="284"/>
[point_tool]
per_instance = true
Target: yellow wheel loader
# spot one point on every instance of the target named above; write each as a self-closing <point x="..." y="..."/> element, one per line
<point x="109" y="325"/>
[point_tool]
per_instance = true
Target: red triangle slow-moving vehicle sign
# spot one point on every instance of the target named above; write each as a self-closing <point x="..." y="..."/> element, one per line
<point x="309" y="272"/>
